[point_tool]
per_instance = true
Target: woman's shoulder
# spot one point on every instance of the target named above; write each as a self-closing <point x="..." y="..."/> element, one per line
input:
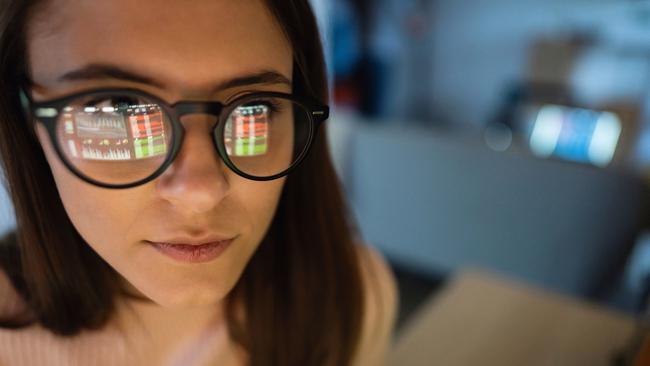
<point x="11" y="303"/>
<point x="23" y="341"/>
<point x="379" y="279"/>
<point x="382" y="302"/>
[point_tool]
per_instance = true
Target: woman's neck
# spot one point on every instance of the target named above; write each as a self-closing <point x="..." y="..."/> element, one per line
<point x="170" y="333"/>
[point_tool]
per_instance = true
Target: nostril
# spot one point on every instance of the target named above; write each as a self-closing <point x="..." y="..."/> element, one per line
<point x="197" y="167"/>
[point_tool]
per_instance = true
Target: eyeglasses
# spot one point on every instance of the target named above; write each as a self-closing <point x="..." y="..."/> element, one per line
<point x="122" y="138"/>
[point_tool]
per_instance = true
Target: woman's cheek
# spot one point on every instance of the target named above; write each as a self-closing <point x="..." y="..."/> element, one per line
<point x="261" y="200"/>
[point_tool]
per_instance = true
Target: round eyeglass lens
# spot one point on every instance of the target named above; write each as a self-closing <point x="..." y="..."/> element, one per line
<point x="114" y="139"/>
<point x="265" y="137"/>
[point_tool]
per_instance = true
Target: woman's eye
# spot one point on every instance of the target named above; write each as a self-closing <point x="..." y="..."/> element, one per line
<point x="114" y="102"/>
<point x="270" y="106"/>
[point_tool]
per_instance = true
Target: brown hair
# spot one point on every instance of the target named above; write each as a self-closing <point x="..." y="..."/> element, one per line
<point x="302" y="290"/>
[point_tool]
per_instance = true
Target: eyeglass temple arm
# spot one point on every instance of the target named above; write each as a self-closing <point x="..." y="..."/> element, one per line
<point x="320" y="113"/>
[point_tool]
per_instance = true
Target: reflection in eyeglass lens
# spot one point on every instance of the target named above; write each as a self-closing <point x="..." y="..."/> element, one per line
<point x="109" y="133"/>
<point x="247" y="132"/>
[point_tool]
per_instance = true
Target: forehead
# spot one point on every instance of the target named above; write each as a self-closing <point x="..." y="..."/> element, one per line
<point x="188" y="43"/>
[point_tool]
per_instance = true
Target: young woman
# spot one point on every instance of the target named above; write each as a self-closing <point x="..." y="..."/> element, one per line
<point x="174" y="197"/>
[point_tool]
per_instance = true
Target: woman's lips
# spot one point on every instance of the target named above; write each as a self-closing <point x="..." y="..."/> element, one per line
<point x="190" y="253"/>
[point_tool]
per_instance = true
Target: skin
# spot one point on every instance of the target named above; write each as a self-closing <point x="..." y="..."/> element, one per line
<point x="187" y="49"/>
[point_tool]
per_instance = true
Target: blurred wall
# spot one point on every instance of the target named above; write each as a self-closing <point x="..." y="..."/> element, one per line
<point x="479" y="47"/>
<point x="436" y="203"/>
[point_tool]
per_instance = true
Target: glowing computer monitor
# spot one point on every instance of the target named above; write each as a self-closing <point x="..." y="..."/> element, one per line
<point x="576" y="134"/>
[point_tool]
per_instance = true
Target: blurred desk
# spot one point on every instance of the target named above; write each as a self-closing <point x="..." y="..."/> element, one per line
<point x="482" y="319"/>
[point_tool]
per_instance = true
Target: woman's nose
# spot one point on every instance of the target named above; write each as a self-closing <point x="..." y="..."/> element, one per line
<point x="197" y="179"/>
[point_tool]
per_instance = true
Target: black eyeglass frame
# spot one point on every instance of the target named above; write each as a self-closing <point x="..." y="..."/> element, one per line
<point x="48" y="112"/>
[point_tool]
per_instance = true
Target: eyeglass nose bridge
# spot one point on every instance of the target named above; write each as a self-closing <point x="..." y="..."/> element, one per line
<point x="187" y="107"/>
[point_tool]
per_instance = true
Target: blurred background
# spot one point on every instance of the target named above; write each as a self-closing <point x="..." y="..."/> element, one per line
<point x="507" y="135"/>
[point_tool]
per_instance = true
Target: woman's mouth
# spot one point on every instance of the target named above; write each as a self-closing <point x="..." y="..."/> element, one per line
<point x="189" y="253"/>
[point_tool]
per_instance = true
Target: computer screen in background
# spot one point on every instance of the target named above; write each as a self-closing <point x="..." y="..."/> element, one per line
<point x="576" y="134"/>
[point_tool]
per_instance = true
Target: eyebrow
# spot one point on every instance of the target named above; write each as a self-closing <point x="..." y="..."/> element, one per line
<point x="107" y="72"/>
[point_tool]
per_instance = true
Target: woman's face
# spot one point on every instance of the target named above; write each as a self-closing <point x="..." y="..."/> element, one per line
<point x="181" y="50"/>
